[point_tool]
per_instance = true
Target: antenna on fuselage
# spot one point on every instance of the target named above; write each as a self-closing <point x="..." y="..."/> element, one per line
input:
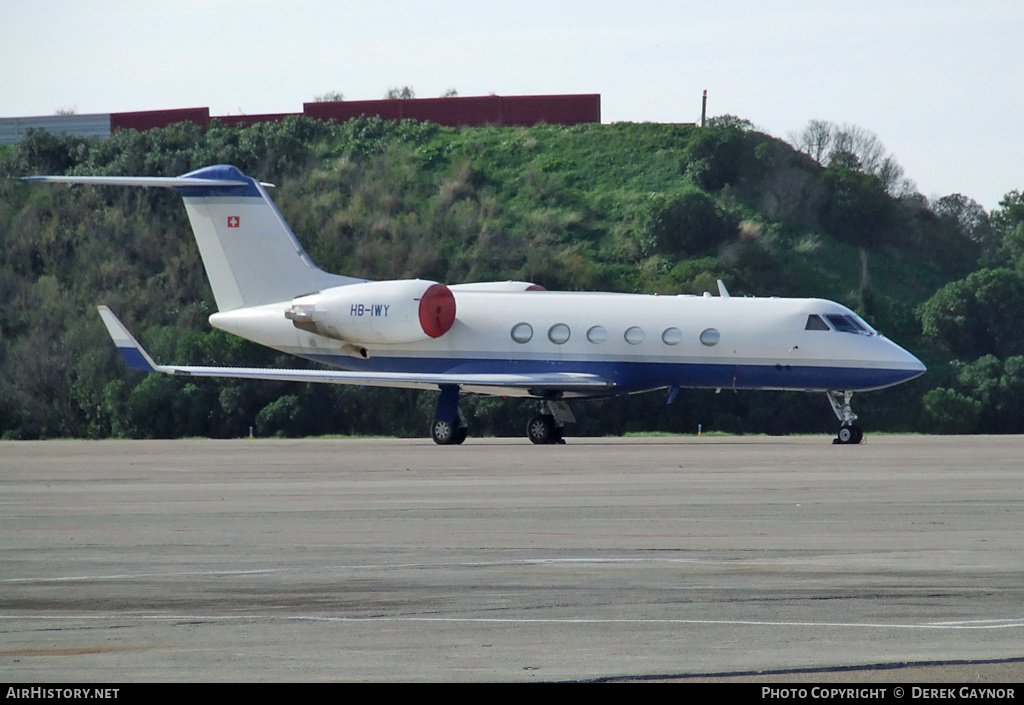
<point x="722" y="291"/>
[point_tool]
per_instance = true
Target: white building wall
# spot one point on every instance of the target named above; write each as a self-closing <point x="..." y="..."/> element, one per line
<point x="94" y="125"/>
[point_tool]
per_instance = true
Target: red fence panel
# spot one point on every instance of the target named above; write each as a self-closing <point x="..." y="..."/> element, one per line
<point x="526" y="110"/>
<point x="469" y="111"/>
<point x="148" y="119"/>
<point x="455" y="112"/>
<point x="346" y="110"/>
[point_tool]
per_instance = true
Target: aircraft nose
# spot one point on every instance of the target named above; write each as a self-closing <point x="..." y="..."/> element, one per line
<point x="919" y="366"/>
<point x="910" y="363"/>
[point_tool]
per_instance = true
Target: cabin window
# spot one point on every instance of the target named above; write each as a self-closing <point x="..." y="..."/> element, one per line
<point x="672" y="336"/>
<point x="522" y="332"/>
<point x="710" y="337"/>
<point x="597" y="334"/>
<point x="558" y="333"/>
<point x="814" y="322"/>
<point x="634" y="335"/>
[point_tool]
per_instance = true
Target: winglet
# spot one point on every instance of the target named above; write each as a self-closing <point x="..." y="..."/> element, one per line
<point x="133" y="353"/>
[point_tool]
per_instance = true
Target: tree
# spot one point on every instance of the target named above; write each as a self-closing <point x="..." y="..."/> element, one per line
<point x="978" y="315"/>
<point x="1007" y="223"/>
<point x="1010" y="212"/>
<point x="989" y="398"/>
<point x="862" y="143"/>
<point x="948" y="411"/>
<point x="42" y="152"/>
<point x="891" y="174"/>
<point x="403" y="93"/>
<point x="720" y="155"/>
<point x="854" y="148"/>
<point x="857" y="210"/>
<point x="966" y="216"/>
<point x="330" y="97"/>
<point x="815" y="140"/>
<point x="729" y="122"/>
<point x="690" y="222"/>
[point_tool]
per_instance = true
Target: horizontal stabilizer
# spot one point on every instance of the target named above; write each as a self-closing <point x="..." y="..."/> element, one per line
<point x="157" y="181"/>
<point x="533" y="383"/>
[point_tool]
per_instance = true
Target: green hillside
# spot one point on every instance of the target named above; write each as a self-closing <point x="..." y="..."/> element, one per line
<point x="623" y="207"/>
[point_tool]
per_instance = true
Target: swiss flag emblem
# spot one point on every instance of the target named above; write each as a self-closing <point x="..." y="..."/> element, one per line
<point x="234" y="221"/>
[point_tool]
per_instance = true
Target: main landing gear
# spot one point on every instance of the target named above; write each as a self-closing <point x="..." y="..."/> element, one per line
<point x="849" y="433"/>
<point x="446" y="433"/>
<point x="546" y="428"/>
<point x="449" y="425"/>
<point x="543" y="430"/>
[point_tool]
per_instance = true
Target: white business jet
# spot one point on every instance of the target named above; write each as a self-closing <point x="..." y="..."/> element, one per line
<point x="499" y="338"/>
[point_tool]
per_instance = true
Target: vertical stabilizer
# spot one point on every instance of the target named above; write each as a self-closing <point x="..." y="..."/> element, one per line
<point x="250" y="254"/>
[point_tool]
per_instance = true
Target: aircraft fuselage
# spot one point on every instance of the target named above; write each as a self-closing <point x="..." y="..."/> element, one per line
<point x="639" y="342"/>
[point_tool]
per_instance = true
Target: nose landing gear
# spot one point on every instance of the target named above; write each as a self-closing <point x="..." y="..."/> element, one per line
<point x="849" y="433"/>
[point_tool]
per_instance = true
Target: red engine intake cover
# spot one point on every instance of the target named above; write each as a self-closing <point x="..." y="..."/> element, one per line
<point x="437" y="310"/>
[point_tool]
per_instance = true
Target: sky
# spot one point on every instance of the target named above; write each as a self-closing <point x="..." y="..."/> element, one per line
<point x="940" y="82"/>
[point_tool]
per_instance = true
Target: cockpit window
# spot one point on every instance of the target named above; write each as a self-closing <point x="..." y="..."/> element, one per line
<point x="815" y="323"/>
<point x="847" y="324"/>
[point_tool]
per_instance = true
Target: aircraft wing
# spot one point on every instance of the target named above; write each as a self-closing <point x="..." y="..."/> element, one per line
<point x="499" y="384"/>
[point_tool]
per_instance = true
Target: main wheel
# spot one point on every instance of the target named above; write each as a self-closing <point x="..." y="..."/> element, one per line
<point x="460" y="435"/>
<point x="542" y="429"/>
<point x="850" y="435"/>
<point x="444" y="433"/>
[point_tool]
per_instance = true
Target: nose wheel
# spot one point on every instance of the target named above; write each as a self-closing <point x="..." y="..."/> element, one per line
<point x="849" y="432"/>
<point x="849" y="435"/>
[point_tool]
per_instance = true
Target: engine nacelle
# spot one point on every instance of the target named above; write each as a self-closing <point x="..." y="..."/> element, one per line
<point x="505" y="286"/>
<point x="386" y="312"/>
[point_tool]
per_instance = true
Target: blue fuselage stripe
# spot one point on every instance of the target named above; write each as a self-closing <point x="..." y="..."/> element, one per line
<point x="639" y="376"/>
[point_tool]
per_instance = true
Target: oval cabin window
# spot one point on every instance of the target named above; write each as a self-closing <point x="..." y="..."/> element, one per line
<point x="634" y="335"/>
<point x="672" y="336"/>
<point x="522" y="332"/>
<point x="558" y="333"/>
<point x="710" y="337"/>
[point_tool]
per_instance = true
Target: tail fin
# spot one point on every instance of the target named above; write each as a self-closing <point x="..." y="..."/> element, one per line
<point x="250" y="254"/>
